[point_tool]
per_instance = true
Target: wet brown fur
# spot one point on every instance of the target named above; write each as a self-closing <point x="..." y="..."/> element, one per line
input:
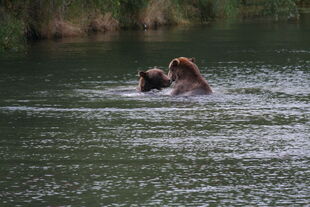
<point x="188" y="80"/>
<point x="152" y="79"/>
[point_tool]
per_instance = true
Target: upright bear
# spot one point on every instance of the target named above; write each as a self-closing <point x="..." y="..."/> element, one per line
<point x="188" y="80"/>
<point x="152" y="79"/>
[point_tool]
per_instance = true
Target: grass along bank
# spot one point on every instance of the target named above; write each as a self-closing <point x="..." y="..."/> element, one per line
<point x="37" y="19"/>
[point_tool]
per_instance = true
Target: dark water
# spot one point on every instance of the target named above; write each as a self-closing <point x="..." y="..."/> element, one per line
<point x="74" y="132"/>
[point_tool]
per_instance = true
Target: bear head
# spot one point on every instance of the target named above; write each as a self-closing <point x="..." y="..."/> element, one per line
<point x="182" y="67"/>
<point x="152" y="79"/>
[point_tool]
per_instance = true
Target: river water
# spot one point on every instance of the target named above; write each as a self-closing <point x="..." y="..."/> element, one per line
<point x="75" y="132"/>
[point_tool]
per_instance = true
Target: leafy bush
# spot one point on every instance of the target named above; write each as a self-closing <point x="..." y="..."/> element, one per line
<point x="281" y="8"/>
<point x="11" y="33"/>
<point x="130" y="10"/>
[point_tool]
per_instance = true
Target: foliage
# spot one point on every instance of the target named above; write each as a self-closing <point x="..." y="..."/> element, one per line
<point x="281" y="8"/>
<point x="129" y="10"/>
<point x="11" y="36"/>
<point x="37" y="19"/>
<point x="226" y="8"/>
<point x="277" y="9"/>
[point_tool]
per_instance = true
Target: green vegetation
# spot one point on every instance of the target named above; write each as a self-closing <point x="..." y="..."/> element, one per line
<point x="11" y="33"/>
<point x="39" y="19"/>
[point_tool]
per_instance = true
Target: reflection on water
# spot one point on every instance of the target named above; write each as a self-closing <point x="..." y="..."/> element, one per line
<point x="75" y="132"/>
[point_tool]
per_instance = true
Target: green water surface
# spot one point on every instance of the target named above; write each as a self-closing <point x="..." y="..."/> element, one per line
<point x="75" y="132"/>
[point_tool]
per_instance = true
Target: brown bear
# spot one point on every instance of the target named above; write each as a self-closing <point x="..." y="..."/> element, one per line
<point x="152" y="79"/>
<point x="187" y="78"/>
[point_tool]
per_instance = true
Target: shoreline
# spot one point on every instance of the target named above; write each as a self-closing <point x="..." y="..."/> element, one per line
<point x="20" y="25"/>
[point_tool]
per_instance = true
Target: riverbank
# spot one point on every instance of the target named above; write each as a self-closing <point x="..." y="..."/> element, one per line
<point x="21" y="21"/>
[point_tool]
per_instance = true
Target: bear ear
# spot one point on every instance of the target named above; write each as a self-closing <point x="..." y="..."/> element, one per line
<point x="142" y="74"/>
<point x="174" y="62"/>
<point x="192" y="59"/>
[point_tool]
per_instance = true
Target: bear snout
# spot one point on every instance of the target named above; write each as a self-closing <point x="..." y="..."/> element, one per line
<point x="167" y="83"/>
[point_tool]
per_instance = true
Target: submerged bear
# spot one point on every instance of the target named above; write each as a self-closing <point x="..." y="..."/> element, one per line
<point x="187" y="78"/>
<point x="152" y="79"/>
